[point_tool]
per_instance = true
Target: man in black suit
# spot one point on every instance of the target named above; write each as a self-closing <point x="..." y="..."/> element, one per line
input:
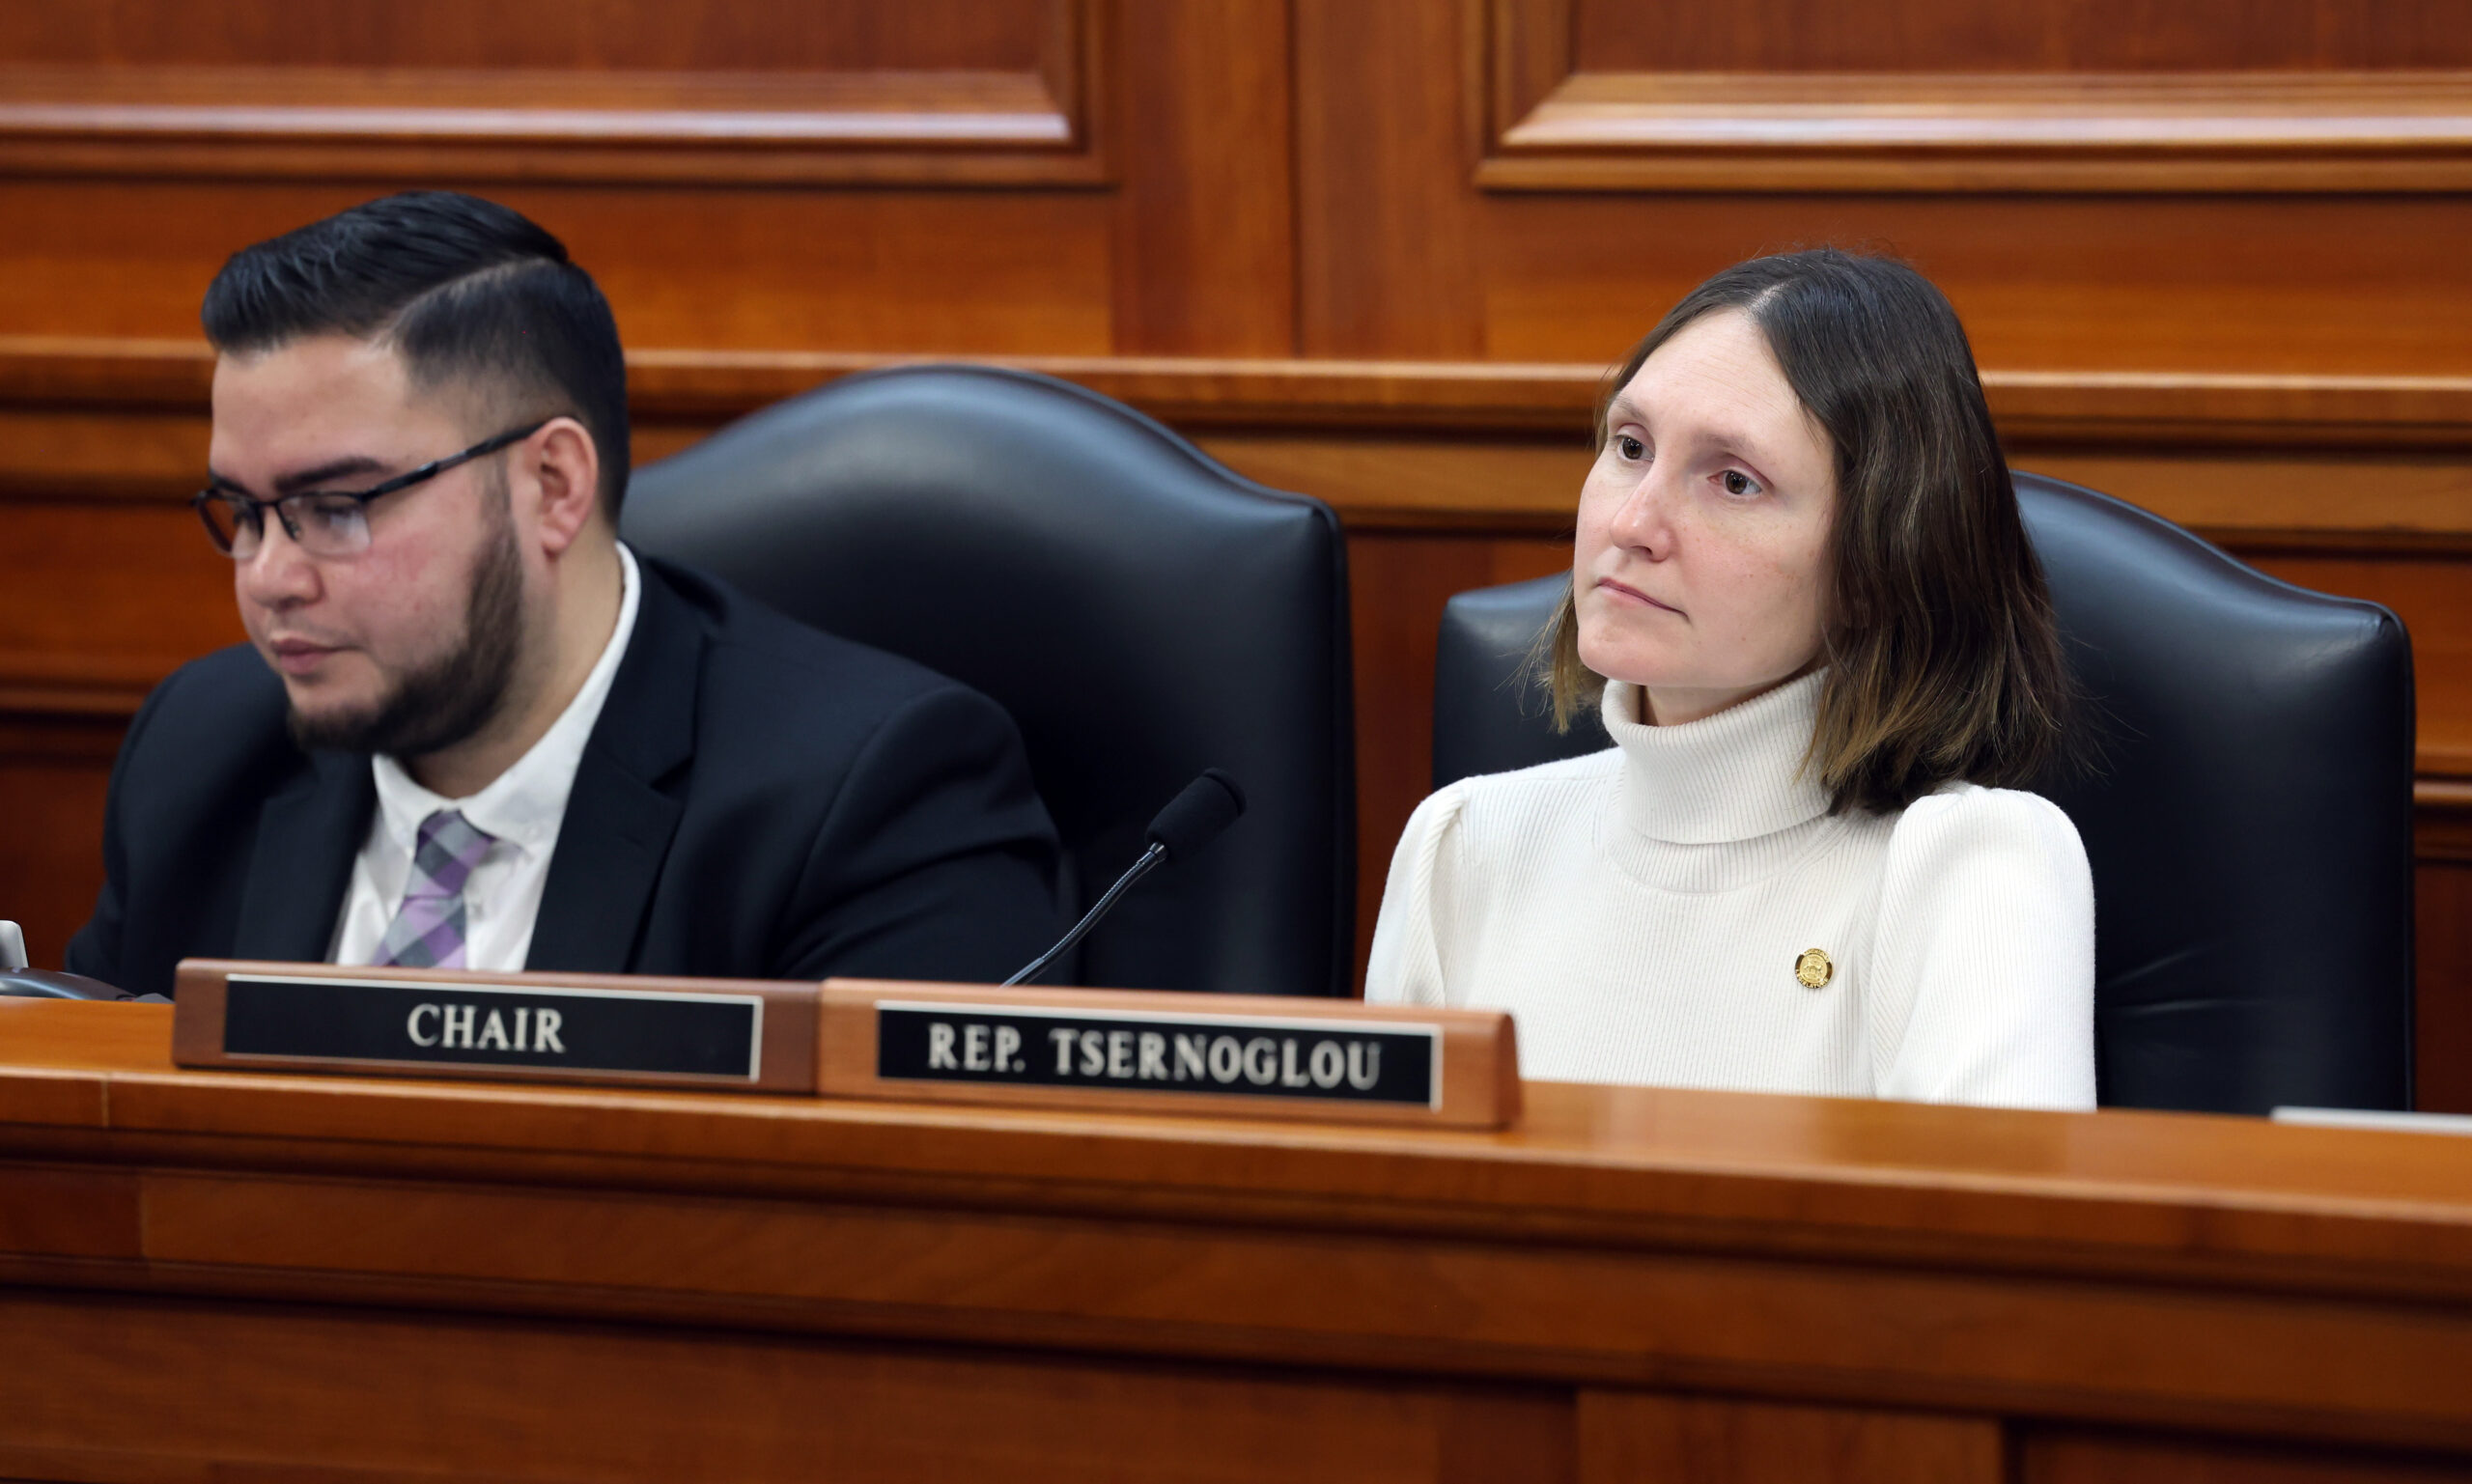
<point x="471" y="729"/>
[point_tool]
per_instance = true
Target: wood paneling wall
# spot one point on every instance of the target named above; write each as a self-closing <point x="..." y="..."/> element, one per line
<point x="2211" y="259"/>
<point x="2022" y="36"/>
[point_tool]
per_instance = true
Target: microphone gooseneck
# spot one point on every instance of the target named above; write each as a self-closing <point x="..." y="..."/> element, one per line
<point x="1149" y="861"/>
<point x="1192" y="819"/>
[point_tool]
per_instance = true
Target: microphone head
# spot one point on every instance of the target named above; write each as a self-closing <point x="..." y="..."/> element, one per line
<point x="1193" y="818"/>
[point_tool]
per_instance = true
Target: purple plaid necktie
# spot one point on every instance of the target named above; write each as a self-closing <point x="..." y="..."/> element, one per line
<point x="428" y="930"/>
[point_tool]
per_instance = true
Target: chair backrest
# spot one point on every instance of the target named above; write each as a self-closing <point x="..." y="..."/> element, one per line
<point x="1141" y="611"/>
<point x="2246" y="807"/>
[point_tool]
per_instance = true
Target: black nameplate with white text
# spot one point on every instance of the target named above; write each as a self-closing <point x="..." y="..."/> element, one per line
<point x="1256" y="1057"/>
<point x="445" y="1024"/>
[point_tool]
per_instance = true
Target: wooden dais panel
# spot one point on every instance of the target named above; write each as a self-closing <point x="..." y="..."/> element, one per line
<point x="1626" y="1435"/>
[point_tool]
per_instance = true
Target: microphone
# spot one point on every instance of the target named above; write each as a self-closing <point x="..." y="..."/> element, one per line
<point x="19" y="982"/>
<point x="1192" y="819"/>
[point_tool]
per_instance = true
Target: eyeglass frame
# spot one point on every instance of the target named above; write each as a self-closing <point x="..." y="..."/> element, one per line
<point x="291" y="527"/>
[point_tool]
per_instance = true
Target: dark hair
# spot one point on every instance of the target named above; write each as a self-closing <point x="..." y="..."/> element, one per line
<point x="1943" y="660"/>
<point x="467" y="290"/>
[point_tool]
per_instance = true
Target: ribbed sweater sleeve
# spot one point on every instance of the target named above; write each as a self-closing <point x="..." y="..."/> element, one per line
<point x="1984" y="960"/>
<point x="1405" y="968"/>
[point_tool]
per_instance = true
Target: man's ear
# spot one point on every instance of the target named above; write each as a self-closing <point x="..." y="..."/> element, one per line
<point x="565" y="467"/>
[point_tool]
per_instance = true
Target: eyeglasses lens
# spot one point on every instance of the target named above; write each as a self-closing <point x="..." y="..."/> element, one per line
<point x="323" y="524"/>
<point x="328" y="524"/>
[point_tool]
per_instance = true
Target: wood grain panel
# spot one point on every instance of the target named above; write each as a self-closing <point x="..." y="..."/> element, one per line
<point x="2024" y="36"/>
<point x="2442" y="1003"/>
<point x="1432" y="481"/>
<point x="1117" y="1278"/>
<point x="68" y="1212"/>
<point x="588" y="35"/>
<point x="54" y="776"/>
<point x="1953" y="1265"/>
<point x="1633" y="1436"/>
<point x="916" y="271"/>
<point x="1205" y="244"/>
<point x="1387" y="261"/>
<point x="509" y="129"/>
<point x="291" y="1387"/>
<point x="690" y="93"/>
<point x="2057" y="1457"/>
<point x="73" y="454"/>
<point x="2254" y="286"/>
<point x="2444" y="831"/>
<point x="61" y="1097"/>
<point x="868" y="270"/>
<point x="2371" y="1224"/>
<point x="1732" y="132"/>
<point x="111" y="594"/>
<point x="2311" y="96"/>
<point x="883" y="270"/>
<point x="2401" y="503"/>
<point x="357" y="1281"/>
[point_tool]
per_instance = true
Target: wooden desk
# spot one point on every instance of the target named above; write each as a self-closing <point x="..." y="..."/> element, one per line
<point x="219" y="1277"/>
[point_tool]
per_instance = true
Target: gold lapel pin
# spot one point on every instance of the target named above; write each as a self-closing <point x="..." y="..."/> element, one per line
<point x="1814" y="970"/>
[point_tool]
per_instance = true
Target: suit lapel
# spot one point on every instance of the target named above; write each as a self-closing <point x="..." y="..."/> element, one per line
<point x="307" y="835"/>
<point x="619" y="820"/>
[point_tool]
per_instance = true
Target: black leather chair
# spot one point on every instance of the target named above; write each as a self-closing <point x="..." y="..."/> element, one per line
<point x="1143" y="612"/>
<point x="2248" y="812"/>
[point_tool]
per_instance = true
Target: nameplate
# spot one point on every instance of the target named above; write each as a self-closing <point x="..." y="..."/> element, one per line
<point x="1250" y="1056"/>
<point x="1241" y="1055"/>
<point x="748" y="1036"/>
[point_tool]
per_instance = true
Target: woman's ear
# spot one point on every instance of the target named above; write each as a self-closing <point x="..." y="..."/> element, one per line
<point x="566" y="469"/>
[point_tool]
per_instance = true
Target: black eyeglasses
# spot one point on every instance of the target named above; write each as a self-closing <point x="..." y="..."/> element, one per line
<point x="322" y="523"/>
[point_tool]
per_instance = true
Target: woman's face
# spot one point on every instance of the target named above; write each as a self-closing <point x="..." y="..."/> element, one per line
<point x="1698" y="572"/>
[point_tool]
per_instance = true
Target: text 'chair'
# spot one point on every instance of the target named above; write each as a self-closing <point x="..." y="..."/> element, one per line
<point x="2247" y="804"/>
<point x="1142" y="611"/>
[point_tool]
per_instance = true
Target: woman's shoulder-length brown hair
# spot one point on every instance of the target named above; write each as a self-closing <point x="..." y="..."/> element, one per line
<point x="1943" y="660"/>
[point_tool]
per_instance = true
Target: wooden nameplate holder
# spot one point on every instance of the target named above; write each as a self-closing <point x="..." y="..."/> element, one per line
<point x="1227" y="1055"/>
<point x="1241" y="1056"/>
<point x="736" y="1035"/>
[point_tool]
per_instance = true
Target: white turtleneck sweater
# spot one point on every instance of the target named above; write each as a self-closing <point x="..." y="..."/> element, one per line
<point x="1642" y="912"/>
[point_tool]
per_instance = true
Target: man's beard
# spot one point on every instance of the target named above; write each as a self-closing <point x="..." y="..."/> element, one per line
<point x="447" y="700"/>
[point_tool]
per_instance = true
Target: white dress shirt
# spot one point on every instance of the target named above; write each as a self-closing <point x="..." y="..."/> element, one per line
<point x="1648" y="914"/>
<point x="523" y="807"/>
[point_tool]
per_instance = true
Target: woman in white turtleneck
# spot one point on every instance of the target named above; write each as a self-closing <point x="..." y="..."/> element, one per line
<point x="1823" y="647"/>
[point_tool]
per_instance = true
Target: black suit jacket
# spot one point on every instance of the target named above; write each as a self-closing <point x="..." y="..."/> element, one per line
<point x="758" y="800"/>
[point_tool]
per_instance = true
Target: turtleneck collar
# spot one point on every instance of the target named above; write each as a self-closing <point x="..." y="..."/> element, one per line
<point x="1736" y="775"/>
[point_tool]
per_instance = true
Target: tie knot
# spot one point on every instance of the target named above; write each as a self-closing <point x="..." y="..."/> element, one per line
<point x="447" y="849"/>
